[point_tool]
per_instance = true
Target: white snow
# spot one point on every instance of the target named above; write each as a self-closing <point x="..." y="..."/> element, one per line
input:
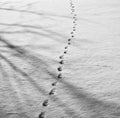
<point x="33" y="34"/>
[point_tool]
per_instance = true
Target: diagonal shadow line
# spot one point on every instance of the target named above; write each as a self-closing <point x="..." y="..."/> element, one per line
<point x="83" y="95"/>
<point x="68" y="110"/>
<point x="22" y="25"/>
<point x="36" y="27"/>
<point x="32" y="32"/>
<point x="2" y="112"/>
<point x="53" y="15"/>
<point x="10" y="45"/>
<point x="38" y="33"/>
<point x="17" y="111"/>
<point x="35" y="13"/>
<point x="80" y="94"/>
<point x="29" y="12"/>
<point x="23" y="53"/>
<point x="87" y="99"/>
<point x="83" y="41"/>
<point x="13" y="47"/>
<point x="48" y="35"/>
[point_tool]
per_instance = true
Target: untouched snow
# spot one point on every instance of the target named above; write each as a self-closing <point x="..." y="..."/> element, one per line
<point x="33" y="35"/>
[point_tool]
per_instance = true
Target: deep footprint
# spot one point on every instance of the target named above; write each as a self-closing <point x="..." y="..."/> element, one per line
<point x="52" y="92"/>
<point x="45" y="103"/>
<point x="60" y="76"/>
<point x="60" y="68"/>
<point x="61" y="62"/>
<point x="42" y="115"/>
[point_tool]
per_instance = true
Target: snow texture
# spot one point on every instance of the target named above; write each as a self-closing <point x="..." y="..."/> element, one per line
<point x="59" y="58"/>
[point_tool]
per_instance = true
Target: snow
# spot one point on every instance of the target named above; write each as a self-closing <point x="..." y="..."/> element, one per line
<point x="33" y="35"/>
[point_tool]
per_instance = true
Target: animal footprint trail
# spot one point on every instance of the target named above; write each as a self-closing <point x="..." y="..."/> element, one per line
<point x="61" y="62"/>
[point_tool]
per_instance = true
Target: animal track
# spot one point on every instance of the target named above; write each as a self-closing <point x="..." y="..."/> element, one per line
<point x="45" y="103"/>
<point x="66" y="47"/>
<point x="69" y="43"/>
<point x="42" y="115"/>
<point x="61" y="62"/>
<point x="69" y="39"/>
<point x="52" y="91"/>
<point x="59" y="76"/>
<point x="60" y="68"/>
<point x="54" y="83"/>
<point x="65" y="52"/>
<point x="61" y="57"/>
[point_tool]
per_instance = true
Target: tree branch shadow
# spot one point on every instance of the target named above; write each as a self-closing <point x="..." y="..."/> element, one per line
<point x="30" y="29"/>
<point x="91" y="103"/>
<point x="86" y="99"/>
<point x="22" y="53"/>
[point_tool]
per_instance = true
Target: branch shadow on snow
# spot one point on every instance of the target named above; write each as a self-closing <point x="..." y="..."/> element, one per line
<point x="49" y="15"/>
<point x="57" y="36"/>
<point x="23" y="52"/>
<point x="41" y="90"/>
<point x="92" y="104"/>
<point x="86" y="99"/>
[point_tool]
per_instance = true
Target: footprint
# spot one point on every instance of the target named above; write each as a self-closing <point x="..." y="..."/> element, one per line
<point x="74" y="29"/>
<point x="69" y="39"/>
<point x="61" y="62"/>
<point x="75" y="19"/>
<point x="61" y="57"/>
<point x="60" y="68"/>
<point x="65" y="52"/>
<point x="69" y="43"/>
<point x="52" y="92"/>
<point x="54" y="83"/>
<point x="66" y="47"/>
<point x="42" y="115"/>
<point x="60" y="76"/>
<point x="45" y="103"/>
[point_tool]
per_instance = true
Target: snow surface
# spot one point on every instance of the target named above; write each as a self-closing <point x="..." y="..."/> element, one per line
<point x="33" y="34"/>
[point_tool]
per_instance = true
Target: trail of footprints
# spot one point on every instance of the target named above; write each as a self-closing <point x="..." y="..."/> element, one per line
<point x="61" y="62"/>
